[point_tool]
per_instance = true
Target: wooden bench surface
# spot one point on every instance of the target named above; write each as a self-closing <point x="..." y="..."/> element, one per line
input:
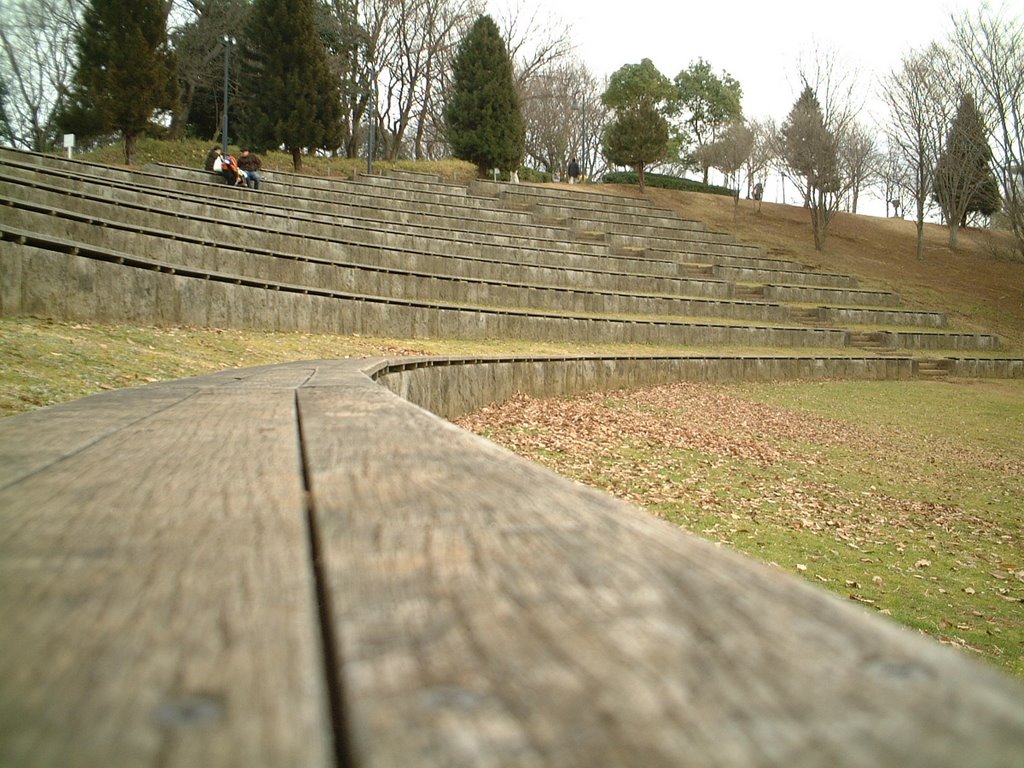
<point x="291" y="566"/>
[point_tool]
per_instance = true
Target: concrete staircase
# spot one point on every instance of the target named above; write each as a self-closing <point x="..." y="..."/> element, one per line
<point x="411" y="255"/>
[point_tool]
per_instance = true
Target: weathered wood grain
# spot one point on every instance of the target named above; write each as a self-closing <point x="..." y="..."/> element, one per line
<point x="170" y="573"/>
<point x="156" y="590"/>
<point x="490" y="613"/>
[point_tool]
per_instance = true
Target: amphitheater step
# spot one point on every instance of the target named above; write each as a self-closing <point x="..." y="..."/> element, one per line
<point x="868" y="340"/>
<point x="805" y="315"/>
<point x="748" y="292"/>
<point x="932" y="368"/>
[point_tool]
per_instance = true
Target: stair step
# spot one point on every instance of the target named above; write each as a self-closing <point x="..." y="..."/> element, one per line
<point x="932" y="368"/>
<point x="748" y="292"/>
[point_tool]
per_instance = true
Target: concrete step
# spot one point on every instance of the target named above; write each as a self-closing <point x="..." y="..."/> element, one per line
<point x="932" y="368"/>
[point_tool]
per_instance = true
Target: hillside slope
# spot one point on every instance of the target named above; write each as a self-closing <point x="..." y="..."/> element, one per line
<point x="980" y="285"/>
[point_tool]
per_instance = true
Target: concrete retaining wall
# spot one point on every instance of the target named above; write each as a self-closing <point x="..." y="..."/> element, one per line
<point x="111" y="286"/>
<point x="452" y="387"/>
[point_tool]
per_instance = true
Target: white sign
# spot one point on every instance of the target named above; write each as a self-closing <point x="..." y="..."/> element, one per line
<point x="69" y="142"/>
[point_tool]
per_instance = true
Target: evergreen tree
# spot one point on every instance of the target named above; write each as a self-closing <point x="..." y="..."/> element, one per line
<point x="638" y="135"/>
<point x="483" y="116"/>
<point x="287" y="92"/>
<point x="125" y="70"/>
<point x="964" y="181"/>
<point x="808" y="149"/>
<point x="810" y="153"/>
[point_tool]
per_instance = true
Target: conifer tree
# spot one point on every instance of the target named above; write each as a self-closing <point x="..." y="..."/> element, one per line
<point x="125" y="70"/>
<point x="288" y="94"/>
<point x="810" y="155"/>
<point x="807" y="147"/>
<point x="964" y="181"/>
<point x="483" y="115"/>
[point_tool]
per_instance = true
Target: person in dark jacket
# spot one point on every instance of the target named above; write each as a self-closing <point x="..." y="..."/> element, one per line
<point x="211" y="158"/>
<point x="574" y="171"/>
<point x="252" y="165"/>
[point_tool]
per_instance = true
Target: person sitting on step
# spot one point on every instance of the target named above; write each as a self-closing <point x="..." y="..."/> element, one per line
<point x="251" y="165"/>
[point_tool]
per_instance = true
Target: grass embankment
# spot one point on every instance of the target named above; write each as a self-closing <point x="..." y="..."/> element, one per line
<point x="45" y="362"/>
<point x="902" y="496"/>
<point x="192" y="152"/>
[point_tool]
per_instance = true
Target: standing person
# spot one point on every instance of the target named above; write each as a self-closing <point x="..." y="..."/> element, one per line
<point x="574" y="171"/>
<point x="252" y="165"/>
<point x="758" y="194"/>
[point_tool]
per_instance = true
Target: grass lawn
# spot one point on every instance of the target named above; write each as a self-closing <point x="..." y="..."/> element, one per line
<point x="907" y="497"/>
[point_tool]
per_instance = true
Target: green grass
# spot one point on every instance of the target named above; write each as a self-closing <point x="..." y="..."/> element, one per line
<point x="44" y="362"/>
<point x="906" y="497"/>
<point x="192" y="152"/>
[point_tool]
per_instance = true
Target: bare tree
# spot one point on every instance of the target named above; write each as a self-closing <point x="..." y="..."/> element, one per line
<point x="920" y="110"/>
<point x="197" y="29"/>
<point x="37" y="59"/>
<point x="893" y="180"/>
<point x="536" y="44"/>
<point x="730" y="153"/>
<point x="406" y="65"/>
<point x="561" y="105"/>
<point x="861" y="161"/>
<point x="992" y="51"/>
<point x="762" y="153"/>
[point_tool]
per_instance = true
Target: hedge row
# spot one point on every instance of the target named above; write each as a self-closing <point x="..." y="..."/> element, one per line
<point x="666" y="182"/>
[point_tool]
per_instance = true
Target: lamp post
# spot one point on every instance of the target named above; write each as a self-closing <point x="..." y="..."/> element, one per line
<point x="581" y="105"/>
<point x="583" y="160"/>
<point x="228" y="42"/>
<point x="371" y="119"/>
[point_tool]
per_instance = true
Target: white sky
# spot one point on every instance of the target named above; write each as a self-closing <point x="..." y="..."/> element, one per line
<point x="758" y="43"/>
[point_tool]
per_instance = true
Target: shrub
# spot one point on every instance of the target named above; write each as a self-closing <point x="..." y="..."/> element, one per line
<point x="529" y="174"/>
<point x="666" y="182"/>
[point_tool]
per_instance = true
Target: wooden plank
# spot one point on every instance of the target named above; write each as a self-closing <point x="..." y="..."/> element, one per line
<point x="490" y="613"/>
<point x="156" y="592"/>
<point x="37" y="439"/>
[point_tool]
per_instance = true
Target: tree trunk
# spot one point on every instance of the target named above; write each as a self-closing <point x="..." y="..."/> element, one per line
<point x="919" y="223"/>
<point x="820" y="229"/>
<point x="640" y="176"/>
<point x="954" y="234"/>
<point x="130" y="142"/>
<point x="297" y="159"/>
<point x="179" y="120"/>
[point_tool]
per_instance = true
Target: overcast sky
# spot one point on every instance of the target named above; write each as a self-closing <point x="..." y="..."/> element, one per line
<point x="758" y="43"/>
<point x="761" y="44"/>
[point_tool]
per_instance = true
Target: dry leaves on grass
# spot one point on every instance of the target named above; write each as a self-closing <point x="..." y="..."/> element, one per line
<point x="700" y="434"/>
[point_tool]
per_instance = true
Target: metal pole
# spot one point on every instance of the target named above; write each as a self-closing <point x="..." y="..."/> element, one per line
<point x="228" y="42"/>
<point x="579" y="103"/>
<point x="371" y="117"/>
<point x="583" y="162"/>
